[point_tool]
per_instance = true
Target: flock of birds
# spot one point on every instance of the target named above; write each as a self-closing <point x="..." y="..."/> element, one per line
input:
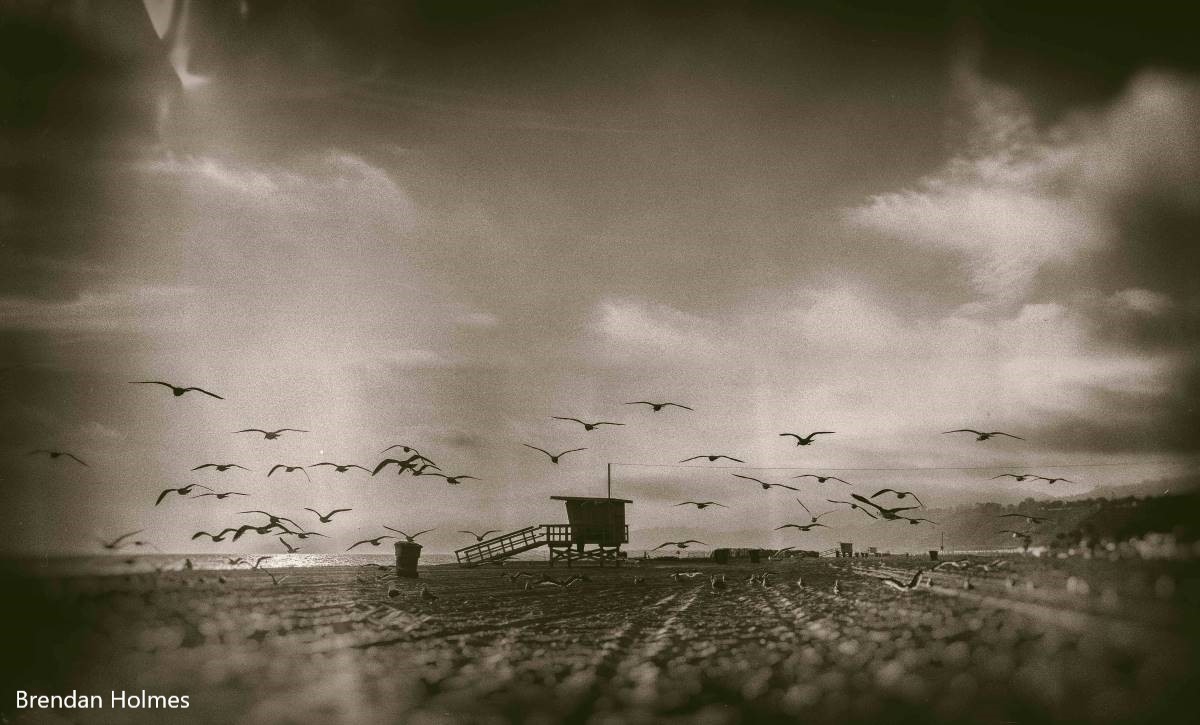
<point x="416" y="464"/>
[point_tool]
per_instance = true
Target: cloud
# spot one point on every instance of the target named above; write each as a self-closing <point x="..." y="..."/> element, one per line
<point x="124" y="308"/>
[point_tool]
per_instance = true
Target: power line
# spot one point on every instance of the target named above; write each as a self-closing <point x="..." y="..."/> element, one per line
<point x="909" y="468"/>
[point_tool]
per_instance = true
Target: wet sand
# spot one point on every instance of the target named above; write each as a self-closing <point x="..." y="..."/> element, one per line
<point x="331" y="645"/>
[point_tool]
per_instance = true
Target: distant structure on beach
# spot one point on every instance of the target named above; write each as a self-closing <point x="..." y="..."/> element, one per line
<point x="598" y="523"/>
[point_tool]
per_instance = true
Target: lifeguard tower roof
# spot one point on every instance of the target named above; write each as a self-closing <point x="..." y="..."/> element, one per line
<point x="589" y="498"/>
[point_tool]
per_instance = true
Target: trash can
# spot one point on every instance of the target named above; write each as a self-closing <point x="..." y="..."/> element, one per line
<point x="721" y="556"/>
<point x="754" y="554"/>
<point x="933" y="555"/>
<point x="408" y="553"/>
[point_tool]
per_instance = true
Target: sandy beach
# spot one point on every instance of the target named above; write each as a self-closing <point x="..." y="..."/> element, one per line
<point x="1025" y="642"/>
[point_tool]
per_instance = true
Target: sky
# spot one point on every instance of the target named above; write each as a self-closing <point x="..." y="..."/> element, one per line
<point x="442" y="224"/>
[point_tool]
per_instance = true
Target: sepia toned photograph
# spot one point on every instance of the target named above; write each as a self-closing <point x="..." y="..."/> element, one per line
<point x="526" y="361"/>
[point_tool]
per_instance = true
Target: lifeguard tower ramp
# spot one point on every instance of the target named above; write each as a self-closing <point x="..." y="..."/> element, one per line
<point x="598" y="523"/>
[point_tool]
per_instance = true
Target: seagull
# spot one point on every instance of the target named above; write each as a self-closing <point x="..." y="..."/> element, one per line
<point x="270" y="434"/>
<point x="290" y="549"/>
<point x="766" y="486"/>
<point x="184" y="491"/>
<point x="679" y="544"/>
<point x="897" y="584"/>
<point x="553" y="458"/>
<point x="305" y="534"/>
<point x="275" y="581"/>
<point x="221" y="496"/>
<point x="915" y="521"/>
<point x="178" y="391"/>
<point x="428" y="595"/>
<point x="408" y="464"/>
<point x="887" y="514"/>
<point x="800" y="527"/>
<point x="215" y="537"/>
<point x="57" y="454"/>
<point x="289" y="469"/>
<point x="234" y="560"/>
<point x="258" y="562"/>
<point x="806" y="440"/>
<point x="402" y="447"/>
<point x="981" y="436"/>
<point x="1017" y="476"/>
<point x="261" y="530"/>
<point x="452" y="480"/>
<point x="372" y="542"/>
<point x="815" y="517"/>
<point x="823" y="479"/>
<point x="587" y="426"/>
<point x="1051" y="481"/>
<point x="658" y="406"/>
<point x="274" y="519"/>
<point x="702" y="504"/>
<point x="712" y="458"/>
<point x="718" y="583"/>
<point x="1030" y="519"/>
<point x="220" y="466"/>
<point x="327" y="517"/>
<point x="899" y="494"/>
<point x="853" y="506"/>
<point x="480" y="537"/>
<point x="406" y="536"/>
<point x="116" y="543"/>
<point x="339" y="467"/>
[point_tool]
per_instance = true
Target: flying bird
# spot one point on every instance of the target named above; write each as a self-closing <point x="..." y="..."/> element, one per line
<point x="372" y="542"/>
<point x="553" y="458"/>
<point x="899" y="494"/>
<point x="215" y="537"/>
<point x="452" y="480"/>
<point x="905" y="586"/>
<point x="116" y="543"/>
<point x="221" y="496"/>
<point x="766" y="486"/>
<point x="814" y="517"/>
<point x="655" y="407"/>
<point x="853" y="505"/>
<point x="702" y="504"/>
<point x="587" y="426"/>
<point x="887" y="514"/>
<point x="270" y="434"/>
<point x="290" y="549"/>
<point x="221" y="466"/>
<point x="980" y="435"/>
<point x="712" y="458"/>
<point x="1051" y="481"/>
<point x="1030" y="519"/>
<point x="800" y="527"/>
<point x="274" y="519"/>
<point x="340" y="468"/>
<point x="289" y="469"/>
<point x="806" y="440"/>
<point x="327" y="517"/>
<point x="58" y="454"/>
<point x="177" y="390"/>
<point x="1017" y="476"/>
<point x="408" y="464"/>
<point x="915" y="521"/>
<point x="823" y="479"/>
<point x="406" y="536"/>
<point x="480" y="537"/>
<point x="402" y="447"/>
<point x="184" y="491"/>
<point x="679" y="544"/>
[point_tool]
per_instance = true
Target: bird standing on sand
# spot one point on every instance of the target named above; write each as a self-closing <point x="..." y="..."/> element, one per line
<point x="428" y="595"/>
<point x="553" y="458"/>
<point x="655" y="407"/>
<point x="177" y="390"/>
<point x="712" y="458"/>
<point x="57" y="454"/>
<point x="766" y="486"/>
<point x="822" y="479"/>
<point x="587" y="426"/>
<point x="327" y="517"/>
<point x="184" y="491"/>
<point x="899" y="494"/>
<point x="270" y="435"/>
<point x="702" y="504"/>
<point x="407" y="537"/>
<point x="982" y="436"/>
<point x="372" y="542"/>
<point x="679" y="544"/>
<point x="289" y="469"/>
<point x="808" y="439"/>
<point x="480" y="537"/>
<point x="222" y="467"/>
<point x="718" y="583"/>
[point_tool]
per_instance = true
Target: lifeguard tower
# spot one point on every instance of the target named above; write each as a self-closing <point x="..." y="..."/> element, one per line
<point x="595" y="522"/>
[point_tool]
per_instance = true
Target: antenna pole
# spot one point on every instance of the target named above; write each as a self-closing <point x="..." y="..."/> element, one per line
<point x="610" y="480"/>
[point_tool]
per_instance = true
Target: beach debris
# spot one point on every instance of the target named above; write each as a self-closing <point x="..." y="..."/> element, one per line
<point x="428" y="595"/>
<point x="394" y="591"/>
